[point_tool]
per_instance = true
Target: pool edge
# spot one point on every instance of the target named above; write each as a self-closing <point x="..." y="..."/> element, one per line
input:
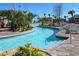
<point x="22" y="33"/>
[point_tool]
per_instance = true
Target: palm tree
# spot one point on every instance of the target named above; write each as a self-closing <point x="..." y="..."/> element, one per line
<point x="54" y="16"/>
<point x="13" y="19"/>
<point x="18" y="19"/>
<point x="24" y="20"/>
<point x="71" y="12"/>
<point x="44" y="14"/>
<point x="53" y="19"/>
<point x="65" y="17"/>
<point x="19" y="7"/>
<point x="25" y="11"/>
<point x="49" y="15"/>
<point x="42" y="20"/>
<point x="31" y="16"/>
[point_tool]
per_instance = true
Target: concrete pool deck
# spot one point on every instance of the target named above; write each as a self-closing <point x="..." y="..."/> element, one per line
<point x="65" y="48"/>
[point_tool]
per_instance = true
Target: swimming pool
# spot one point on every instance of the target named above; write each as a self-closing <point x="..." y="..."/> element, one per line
<point x="43" y="38"/>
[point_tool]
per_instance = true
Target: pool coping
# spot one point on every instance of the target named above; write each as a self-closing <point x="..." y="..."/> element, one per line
<point x="18" y="34"/>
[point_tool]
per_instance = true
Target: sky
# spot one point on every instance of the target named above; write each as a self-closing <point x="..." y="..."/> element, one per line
<point x="41" y="8"/>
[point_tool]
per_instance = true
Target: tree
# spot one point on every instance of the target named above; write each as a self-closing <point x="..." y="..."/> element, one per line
<point x="31" y="16"/>
<point x="65" y="17"/>
<point x="3" y="14"/>
<point x="25" y="11"/>
<point x="42" y="20"/>
<point x="71" y="12"/>
<point x="44" y="14"/>
<point x="49" y="15"/>
<point x="13" y="18"/>
<point x="24" y="20"/>
<point x="53" y="19"/>
<point x="18" y="19"/>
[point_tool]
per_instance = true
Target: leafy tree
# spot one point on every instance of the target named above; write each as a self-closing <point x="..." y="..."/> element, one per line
<point x="43" y="20"/>
<point x="18" y="19"/>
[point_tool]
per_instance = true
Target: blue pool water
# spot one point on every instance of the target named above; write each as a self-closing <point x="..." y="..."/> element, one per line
<point x="43" y="38"/>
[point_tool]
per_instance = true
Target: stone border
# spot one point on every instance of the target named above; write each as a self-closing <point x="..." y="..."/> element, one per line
<point x="13" y="35"/>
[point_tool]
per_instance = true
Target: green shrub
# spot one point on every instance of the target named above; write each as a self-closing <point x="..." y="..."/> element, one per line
<point x="25" y="51"/>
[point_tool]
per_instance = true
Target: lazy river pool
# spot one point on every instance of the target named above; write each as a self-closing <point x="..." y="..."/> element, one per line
<point x="43" y="38"/>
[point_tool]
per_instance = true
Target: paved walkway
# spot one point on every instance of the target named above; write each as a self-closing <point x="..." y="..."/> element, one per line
<point x="65" y="48"/>
<point x="4" y="33"/>
<point x="10" y="33"/>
